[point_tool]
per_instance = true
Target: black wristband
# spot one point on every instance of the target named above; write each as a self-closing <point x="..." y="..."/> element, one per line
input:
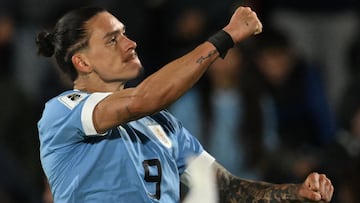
<point x="222" y="41"/>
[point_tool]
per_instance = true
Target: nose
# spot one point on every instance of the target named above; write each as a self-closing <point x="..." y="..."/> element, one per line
<point x="129" y="44"/>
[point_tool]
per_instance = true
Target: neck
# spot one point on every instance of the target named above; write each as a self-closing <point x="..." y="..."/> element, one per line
<point x="86" y="85"/>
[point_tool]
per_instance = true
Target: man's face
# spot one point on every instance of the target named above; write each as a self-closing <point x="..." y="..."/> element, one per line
<point x="111" y="54"/>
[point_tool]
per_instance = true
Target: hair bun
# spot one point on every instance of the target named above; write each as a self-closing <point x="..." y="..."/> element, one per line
<point x="45" y="43"/>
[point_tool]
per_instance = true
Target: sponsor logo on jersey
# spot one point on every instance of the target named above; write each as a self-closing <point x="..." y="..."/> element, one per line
<point x="72" y="99"/>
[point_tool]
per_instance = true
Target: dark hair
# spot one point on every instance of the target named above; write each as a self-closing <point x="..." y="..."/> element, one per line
<point x="68" y="36"/>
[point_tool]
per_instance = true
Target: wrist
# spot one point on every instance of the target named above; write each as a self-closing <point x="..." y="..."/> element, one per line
<point x="293" y="193"/>
<point x="222" y="41"/>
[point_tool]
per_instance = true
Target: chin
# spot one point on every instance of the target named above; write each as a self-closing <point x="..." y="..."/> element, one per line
<point x="137" y="79"/>
<point x="137" y="71"/>
<point x="140" y="72"/>
<point x="133" y="69"/>
<point x="138" y="66"/>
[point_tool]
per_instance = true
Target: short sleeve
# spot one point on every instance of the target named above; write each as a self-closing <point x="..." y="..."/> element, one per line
<point x="87" y="112"/>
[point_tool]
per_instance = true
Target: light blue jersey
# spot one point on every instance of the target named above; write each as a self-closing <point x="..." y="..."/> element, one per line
<point x="141" y="161"/>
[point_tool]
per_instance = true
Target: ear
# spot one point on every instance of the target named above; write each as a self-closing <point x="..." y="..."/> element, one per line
<point x="81" y="63"/>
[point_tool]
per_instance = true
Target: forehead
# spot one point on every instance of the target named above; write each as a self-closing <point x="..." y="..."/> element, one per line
<point x="103" y="23"/>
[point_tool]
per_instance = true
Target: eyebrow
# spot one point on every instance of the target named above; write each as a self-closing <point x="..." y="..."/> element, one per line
<point x="115" y="32"/>
<point x="111" y="34"/>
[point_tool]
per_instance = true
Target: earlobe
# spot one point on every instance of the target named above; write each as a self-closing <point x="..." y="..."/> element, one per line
<point x="80" y="63"/>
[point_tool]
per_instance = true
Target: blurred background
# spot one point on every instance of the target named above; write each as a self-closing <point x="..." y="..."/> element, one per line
<point x="280" y="105"/>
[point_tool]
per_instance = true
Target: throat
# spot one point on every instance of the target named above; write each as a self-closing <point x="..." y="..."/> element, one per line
<point x="97" y="86"/>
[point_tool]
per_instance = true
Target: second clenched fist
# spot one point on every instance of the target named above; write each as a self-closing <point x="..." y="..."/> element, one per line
<point x="243" y="23"/>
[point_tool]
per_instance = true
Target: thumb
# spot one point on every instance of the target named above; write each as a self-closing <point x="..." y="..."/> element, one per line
<point x="308" y="194"/>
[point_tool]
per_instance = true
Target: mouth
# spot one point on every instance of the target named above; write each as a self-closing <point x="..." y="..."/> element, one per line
<point x="131" y="56"/>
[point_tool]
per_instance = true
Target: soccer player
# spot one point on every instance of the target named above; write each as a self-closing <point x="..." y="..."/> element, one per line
<point x="101" y="142"/>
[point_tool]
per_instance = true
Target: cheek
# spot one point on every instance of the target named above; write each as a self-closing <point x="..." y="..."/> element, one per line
<point x="106" y="60"/>
<point x="111" y="67"/>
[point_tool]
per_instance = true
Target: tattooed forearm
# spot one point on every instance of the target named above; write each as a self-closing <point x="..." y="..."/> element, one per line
<point x="203" y="58"/>
<point x="235" y="190"/>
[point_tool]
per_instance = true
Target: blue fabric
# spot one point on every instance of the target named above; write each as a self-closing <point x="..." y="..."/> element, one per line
<point x="119" y="166"/>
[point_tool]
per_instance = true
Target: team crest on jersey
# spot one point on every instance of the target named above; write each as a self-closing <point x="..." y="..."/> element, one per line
<point x="161" y="135"/>
<point x="72" y="99"/>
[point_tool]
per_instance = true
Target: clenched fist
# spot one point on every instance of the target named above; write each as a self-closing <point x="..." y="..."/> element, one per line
<point x="316" y="187"/>
<point x="243" y="23"/>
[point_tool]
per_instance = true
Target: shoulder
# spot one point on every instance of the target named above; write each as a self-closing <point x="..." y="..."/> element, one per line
<point x="62" y="105"/>
<point x="73" y="98"/>
<point x="70" y="99"/>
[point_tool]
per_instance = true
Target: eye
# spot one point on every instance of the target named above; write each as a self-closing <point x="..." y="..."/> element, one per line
<point x="113" y="40"/>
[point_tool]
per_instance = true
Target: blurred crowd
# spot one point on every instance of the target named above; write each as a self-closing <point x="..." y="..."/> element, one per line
<point x="280" y="105"/>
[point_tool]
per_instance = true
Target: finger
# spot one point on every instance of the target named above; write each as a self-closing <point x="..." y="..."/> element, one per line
<point x="326" y="188"/>
<point x="314" y="196"/>
<point x="258" y="29"/>
<point x="309" y="194"/>
<point x="323" y="186"/>
<point x="247" y="9"/>
<point x="328" y="196"/>
<point x="313" y="182"/>
<point x="257" y="24"/>
<point x="331" y="193"/>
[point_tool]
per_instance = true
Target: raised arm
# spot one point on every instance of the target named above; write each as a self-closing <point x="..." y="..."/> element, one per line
<point x="316" y="188"/>
<point x="166" y="85"/>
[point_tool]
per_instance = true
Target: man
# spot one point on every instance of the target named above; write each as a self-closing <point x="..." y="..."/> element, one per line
<point x="103" y="143"/>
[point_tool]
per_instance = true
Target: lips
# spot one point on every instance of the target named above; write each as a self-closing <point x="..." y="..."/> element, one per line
<point x="131" y="56"/>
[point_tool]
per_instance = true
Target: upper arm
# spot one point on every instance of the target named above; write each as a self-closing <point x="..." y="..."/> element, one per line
<point x="124" y="106"/>
<point x="116" y="109"/>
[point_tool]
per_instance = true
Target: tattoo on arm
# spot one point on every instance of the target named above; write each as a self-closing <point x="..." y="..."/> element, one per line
<point x="203" y="58"/>
<point x="235" y="190"/>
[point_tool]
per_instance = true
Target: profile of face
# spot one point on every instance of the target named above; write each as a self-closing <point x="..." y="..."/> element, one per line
<point x="110" y="53"/>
